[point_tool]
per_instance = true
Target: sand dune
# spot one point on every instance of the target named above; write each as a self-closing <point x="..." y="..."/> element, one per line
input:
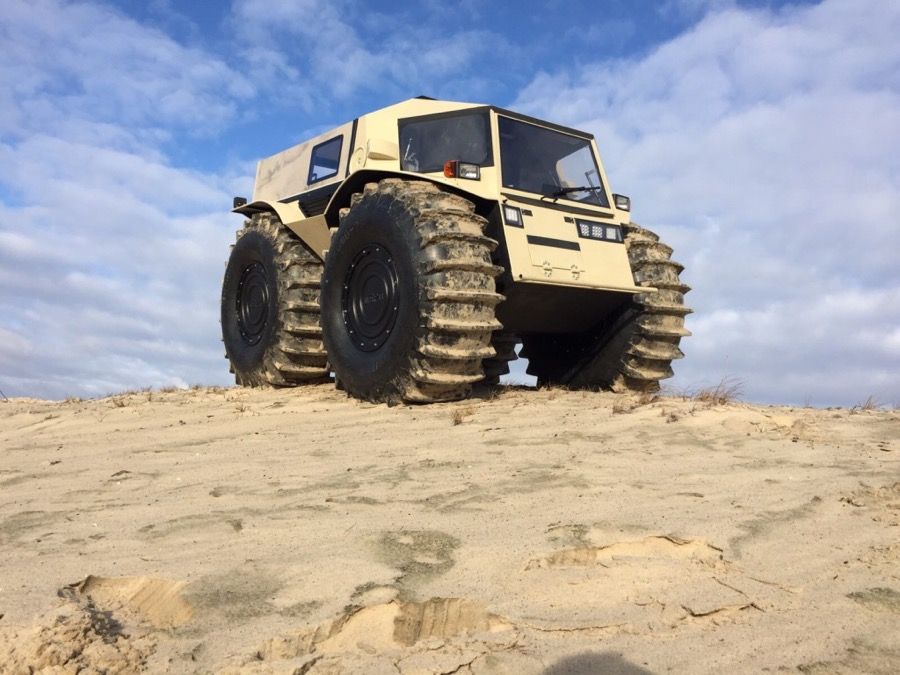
<point x="244" y="531"/>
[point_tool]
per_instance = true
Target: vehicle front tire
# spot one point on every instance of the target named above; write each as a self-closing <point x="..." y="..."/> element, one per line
<point x="408" y="296"/>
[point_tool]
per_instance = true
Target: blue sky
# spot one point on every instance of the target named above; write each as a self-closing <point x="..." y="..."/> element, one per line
<point x="761" y="139"/>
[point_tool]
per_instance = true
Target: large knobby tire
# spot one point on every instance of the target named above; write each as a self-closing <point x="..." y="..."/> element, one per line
<point x="633" y="350"/>
<point x="408" y="295"/>
<point x="270" y="307"/>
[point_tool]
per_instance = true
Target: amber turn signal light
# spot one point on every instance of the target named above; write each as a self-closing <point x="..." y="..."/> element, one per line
<point x="453" y="168"/>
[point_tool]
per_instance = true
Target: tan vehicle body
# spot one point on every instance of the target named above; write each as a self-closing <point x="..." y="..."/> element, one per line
<point x="545" y="249"/>
<point x="408" y="253"/>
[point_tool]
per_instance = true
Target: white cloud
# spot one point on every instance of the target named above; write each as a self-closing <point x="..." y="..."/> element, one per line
<point x="102" y="287"/>
<point x="318" y="50"/>
<point x="110" y="256"/>
<point x="91" y="69"/>
<point x="765" y="146"/>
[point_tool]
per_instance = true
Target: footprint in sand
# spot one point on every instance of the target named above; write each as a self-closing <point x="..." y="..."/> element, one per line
<point x="659" y="547"/>
<point x="158" y="602"/>
<point x="419" y="555"/>
<point x="386" y="627"/>
<point x="880" y="599"/>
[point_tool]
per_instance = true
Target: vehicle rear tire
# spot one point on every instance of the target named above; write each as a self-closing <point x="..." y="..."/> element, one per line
<point x="408" y="296"/>
<point x="270" y="308"/>
<point x="633" y="350"/>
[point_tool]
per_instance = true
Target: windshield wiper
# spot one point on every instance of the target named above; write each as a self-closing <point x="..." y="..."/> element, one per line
<point x="568" y="190"/>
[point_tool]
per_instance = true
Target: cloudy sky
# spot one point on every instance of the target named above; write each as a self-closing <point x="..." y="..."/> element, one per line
<point x="761" y="139"/>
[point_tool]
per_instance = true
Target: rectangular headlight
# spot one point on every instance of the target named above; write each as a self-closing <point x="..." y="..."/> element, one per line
<point x="622" y="202"/>
<point x="512" y="215"/>
<point x="470" y="171"/>
<point x="599" y="231"/>
<point x="453" y="168"/>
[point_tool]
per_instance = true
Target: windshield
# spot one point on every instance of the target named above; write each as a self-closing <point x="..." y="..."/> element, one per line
<point x="535" y="159"/>
<point x="427" y="142"/>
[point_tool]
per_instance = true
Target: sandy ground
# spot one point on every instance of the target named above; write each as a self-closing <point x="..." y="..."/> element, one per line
<point x="549" y="532"/>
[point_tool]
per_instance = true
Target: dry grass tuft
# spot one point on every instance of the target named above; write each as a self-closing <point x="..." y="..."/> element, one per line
<point x="871" y="403"/>
<point x="495" y="392"/>
<point x="728" y="390"/>
<point x="459" y="415"/>
<point x="554" y="390"/>
<point x="209" y="389"/>
<point x="621" y="407"/>
<point x="629" y="402"/>
<point x="647" y="397"/>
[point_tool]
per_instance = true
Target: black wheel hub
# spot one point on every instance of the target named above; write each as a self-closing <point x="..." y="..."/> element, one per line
<point x="253" y="303"/>
<point x="370" y="298"/>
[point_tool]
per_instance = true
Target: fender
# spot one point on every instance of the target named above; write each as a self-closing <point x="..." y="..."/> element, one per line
<point x="316" y="231"/>
<point x="312" y="230"/>
<point x="356" y="181"/>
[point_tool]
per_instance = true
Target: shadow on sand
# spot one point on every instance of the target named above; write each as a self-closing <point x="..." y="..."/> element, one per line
<point x="594" y="663"/>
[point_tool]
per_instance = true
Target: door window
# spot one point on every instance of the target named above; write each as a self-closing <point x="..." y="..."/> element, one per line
<point x="326" y="157"/>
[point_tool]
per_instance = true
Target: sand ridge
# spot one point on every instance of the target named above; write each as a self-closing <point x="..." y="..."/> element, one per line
<point x="281" y="531"/>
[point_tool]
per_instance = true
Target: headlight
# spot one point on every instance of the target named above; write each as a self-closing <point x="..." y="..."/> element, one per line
<point x="453" y="168"/>
<point x="622" y="202"/>
<point x="600" y="231"/>
<point x="512" y="215"/>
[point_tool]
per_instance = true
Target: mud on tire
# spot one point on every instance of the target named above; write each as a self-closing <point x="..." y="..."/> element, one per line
<point x="408" y="298"/>
<point x="270" y="307"/>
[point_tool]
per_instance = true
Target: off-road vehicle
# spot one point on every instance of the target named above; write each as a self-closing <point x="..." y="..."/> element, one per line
<point x="409" y="251"/>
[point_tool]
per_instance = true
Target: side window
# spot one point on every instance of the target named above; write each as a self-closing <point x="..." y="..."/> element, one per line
<point x="326" y="157"/>
<point x="427" y="142"/>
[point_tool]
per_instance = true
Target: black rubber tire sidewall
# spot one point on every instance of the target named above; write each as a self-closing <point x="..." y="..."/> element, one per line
<point x="248" y="360"/>
<point x="374" y="375"/>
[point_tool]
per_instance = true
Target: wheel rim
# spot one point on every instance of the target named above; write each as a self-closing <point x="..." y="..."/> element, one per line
<point x="370" y="298"/>
<point x="253" y="303"/>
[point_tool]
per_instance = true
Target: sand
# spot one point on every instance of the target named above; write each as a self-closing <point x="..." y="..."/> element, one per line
<point x="299" y="531"/>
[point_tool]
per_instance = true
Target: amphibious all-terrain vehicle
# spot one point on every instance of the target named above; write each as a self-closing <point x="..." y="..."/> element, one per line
<point x="409" y="251"/>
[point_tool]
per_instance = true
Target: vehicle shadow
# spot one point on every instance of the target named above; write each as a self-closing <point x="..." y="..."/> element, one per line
<point x="595" y="663"/>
